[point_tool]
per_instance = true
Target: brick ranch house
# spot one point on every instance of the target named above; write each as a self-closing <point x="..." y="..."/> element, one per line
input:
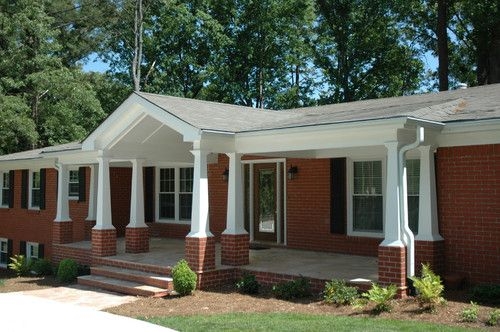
<point x="406" y="180"/>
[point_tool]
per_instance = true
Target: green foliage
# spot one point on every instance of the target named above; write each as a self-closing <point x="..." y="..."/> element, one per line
<point x="248" y="284"/>
<point x="337" y="292"/>
<point x="429" y="289"/>
<point x="381" y="296"/>
<point x="41" y="267"/>
<point x="184" y="278"/>
<point x="488" y="294"/>
<point x="83" y="270"/>
<point x="470" y="314"/>
<point x="20" y="265"/>
<point x="493" y="318"/>
<point x="2" y="282"/>
<point x="67" y="270"/>
<point x="294" y="289"/>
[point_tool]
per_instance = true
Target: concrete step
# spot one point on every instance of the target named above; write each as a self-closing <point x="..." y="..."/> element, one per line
<point x="142" y="277"/>
<point x="113" y="261"/>
<point x="122" y="286"/>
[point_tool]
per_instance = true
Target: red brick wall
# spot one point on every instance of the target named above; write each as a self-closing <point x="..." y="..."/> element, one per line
<point x="217" y="189"/>
<point x="168" y="230"/>
<point x="121" y="185"/>
<point x="468" y="182"/>
<point x="78" y="211"/>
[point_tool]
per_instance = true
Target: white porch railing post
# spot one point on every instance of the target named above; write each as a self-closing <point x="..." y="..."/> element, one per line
<point x="392" y="222"/>
<point x="62" y="213"/>
<point x="199" y="215"/>
<point x="103" y="213"/>
<point x="91" y="215"/>
<point x="137" y="196"/>
<point x="235" y="198"/>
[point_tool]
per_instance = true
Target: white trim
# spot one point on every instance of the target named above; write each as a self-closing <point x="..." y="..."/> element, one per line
<point x="70" y="169"/>
<point x="2" y="187"/>
<point x="28" y="251"/>
<point x="6" y="252"/>
<point x="30" y="189"/>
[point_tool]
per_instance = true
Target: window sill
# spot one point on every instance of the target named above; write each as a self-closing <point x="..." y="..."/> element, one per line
<point x="172" y="221"/>
<point x="375" y="235"/>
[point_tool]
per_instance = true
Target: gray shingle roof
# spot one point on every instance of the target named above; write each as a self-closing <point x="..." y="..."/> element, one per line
<point x="37" y="153"/>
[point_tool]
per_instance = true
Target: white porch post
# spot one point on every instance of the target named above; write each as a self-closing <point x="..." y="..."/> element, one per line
<point x="91" y="215"/>
<point x="137" y="196"/>
<point x="235" y="218"/>
<point x="103" y="212"/>
<point x="199" y="215"/>
<point x="428" y="229"/>
<point x="392" y="222"/>
<point x="62" y="213"/>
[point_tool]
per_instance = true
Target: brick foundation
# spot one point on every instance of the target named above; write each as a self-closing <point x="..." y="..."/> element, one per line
<point x="235" y="249"/>
<point x="137" y="240"/>
<point x="392" y="267"/>
<point x="88" y="225"/>
<point x="62" y="232"/>
<point x="200" y="253"/>
<point x="429" y="252"/>
<point x="103" y="242"/>
<point x="81" y="256"/>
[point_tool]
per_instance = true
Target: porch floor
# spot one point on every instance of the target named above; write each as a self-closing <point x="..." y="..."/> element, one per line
<point x="312" y="264"/>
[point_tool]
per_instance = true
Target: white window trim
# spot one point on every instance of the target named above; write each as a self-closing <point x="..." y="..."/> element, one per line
<point x="6" y="241"/>
<point x="28" y="251"/>
<point x="30" y="188"/>
<point x="77" y="196"/>
<point x="350" y="191"/>
<point x="177" y="184"/>
<point x="2" y="188"/>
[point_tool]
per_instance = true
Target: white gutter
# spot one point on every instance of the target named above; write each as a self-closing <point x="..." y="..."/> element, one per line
<point x="408" y="238"/>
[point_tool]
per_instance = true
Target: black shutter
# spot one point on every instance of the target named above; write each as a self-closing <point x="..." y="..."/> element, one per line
<point x="24" y="188"/>
<point x="338" y="196"/>
<point x="10" y="249"/>
<point x="22" y="248"/>
<point x="41" y="251"/>
<point x="11" y="188"/>
<point x="42" y="188"/>
<point x="81" y="184"/>
<point x="149" y="194"/>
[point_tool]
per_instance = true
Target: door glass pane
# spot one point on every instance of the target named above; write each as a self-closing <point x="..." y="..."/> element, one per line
<point x="267" y="198"/>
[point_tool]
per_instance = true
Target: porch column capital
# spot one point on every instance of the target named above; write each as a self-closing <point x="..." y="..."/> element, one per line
<point x="235" y="198"/>
<point x="103" y="212"/>
<point x="62" y="213"/>
<point x="137" y="196"/>
<point x="199" y="214"/>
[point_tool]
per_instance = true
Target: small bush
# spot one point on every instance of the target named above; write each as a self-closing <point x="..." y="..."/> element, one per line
<point x="337" y="292"/>
<point x="294" y="289"/>
<point x="470" y="313"/>
<point x="184" y="278"/>
<point x="429" y="289"/>
<point x="248" y="284"/>
<point x="486" y="294"/>
<point x="493" y="318"/>
<point x="381" y="296"/>
<point x="41" y="267"/>
<point x="67" y="270"/>
<point x="20" y="265"/>
<point x="83" y="270"/>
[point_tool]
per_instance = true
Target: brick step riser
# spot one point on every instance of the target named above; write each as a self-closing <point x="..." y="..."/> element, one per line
<point x="162" y="270"/>
<point x="166" y="284"/>
<point x="121" y="289"/>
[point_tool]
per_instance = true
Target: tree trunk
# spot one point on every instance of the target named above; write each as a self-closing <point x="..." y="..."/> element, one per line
<point x="136" y="62"/>
<point x="442" y="37"/>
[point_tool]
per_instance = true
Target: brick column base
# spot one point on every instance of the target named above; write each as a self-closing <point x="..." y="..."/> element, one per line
<point x="137" y="240"/>
<point x="103" y="242"/>
<point x="235" y="249"/>
<point x="392" y="268"/>
<point x="200" y="253"/>
<point x="88" y="225"/>
<point x="429" y="252"/>
<point x="62" y="232"/>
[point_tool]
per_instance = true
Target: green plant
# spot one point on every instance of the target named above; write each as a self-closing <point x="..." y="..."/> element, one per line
<point x="381" y="296"/>
<point x="294" y="289"/>
<point x="41" y="267"/>
<point x="493" y="318"/>
<point x="83" y="270"/>
<point x="184" y="278"/>
<point x="470" y="313"/>
<point x="489" y="294"/>
<point x="248" y="284"/>
<point x="67" y="270"/>
<point x="337" y="292"/>
<point x="20" y="265"/>
<point x="429" y="289"/>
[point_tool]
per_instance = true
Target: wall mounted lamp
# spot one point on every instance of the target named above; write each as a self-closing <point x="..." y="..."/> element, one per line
<point x="292" y="171"/>
<point x="225" y="175"/>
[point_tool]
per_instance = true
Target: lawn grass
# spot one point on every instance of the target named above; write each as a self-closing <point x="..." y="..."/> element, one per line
<point x="291" y="322"/>
<point x="2" y="282"/>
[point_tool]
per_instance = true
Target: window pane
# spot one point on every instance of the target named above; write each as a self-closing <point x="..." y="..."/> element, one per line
<point x="186" y="185"/>
<point x="413" y="213"/>
<point x="413" y="176"/>
<point x="167" y="180"/>
<point x="35" y="180"/>
<point x="185" y="204"/>
<point x="3" y="258"/>
<point x="167" y="206"/>
<point x="5" y="197"/>
<point x="73" y="189"/>
<point x="368" y="178"/>
<point x="73" y="183"/>
<point x="367" y="214"/>
<point x="6" y="179"/>
<point x="35" y="197"/>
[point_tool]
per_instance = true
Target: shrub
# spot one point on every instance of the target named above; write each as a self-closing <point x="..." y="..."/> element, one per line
<point x="493" y="318"/>
<point x="294" y="289"/>
<point x="184" y="278"/>
<point x="41" y="267"/>
<point x="337" y="292"/>
<point x="83" y="270"/>
<point x="429" y="289"/>
<point x="20" y="265"/>
<point x="67" y="270"/>
<point x="248" y="284"/>
<point x="488" y="294"/>
<point x="470" y="313"/>
<point x="381" y="296"/>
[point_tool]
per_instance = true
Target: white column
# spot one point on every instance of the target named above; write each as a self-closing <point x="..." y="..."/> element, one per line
<point x="235" y="197"/>
<point x="199" y="215"/>
<point x="392" y="224"/>
<point x="91" y="215"/>
<point x="62" y="213"/>
<point x="428" y="229"/>
<point x="137" y="196"/>
<point x="103" y="213"/>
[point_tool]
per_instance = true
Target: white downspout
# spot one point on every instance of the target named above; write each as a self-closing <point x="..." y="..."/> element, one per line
<point x="408" y="238"/>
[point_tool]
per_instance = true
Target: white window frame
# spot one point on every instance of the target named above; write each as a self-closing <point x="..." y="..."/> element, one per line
<point x="77" y="195"/>
<point x="2" y="187"/>
<point x="177" y="173"/>
<point x="30" y="185"/>
<point x="29" y="256"/>
<point x="6" y="241"/>
<point x="407" y="181"/>
<point x="350" y="203"/>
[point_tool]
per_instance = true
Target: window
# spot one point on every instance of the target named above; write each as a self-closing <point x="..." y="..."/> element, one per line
<point x="367" y="197"/>
<point x="413" y="184"/>
<point x="5" y="189"/>
<point x="35" y="190"/>
<point x="73" y="184"/>
<point x="175" y="193"/>
<point x="32" y="250"/>
<point x="4" y="252"/>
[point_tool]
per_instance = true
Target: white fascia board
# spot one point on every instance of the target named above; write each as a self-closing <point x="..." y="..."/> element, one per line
<point x="476" y="132"/>
<point x="78" y="158"/>
<point x="35" y="163"/>
<point x="217" y="142"/>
